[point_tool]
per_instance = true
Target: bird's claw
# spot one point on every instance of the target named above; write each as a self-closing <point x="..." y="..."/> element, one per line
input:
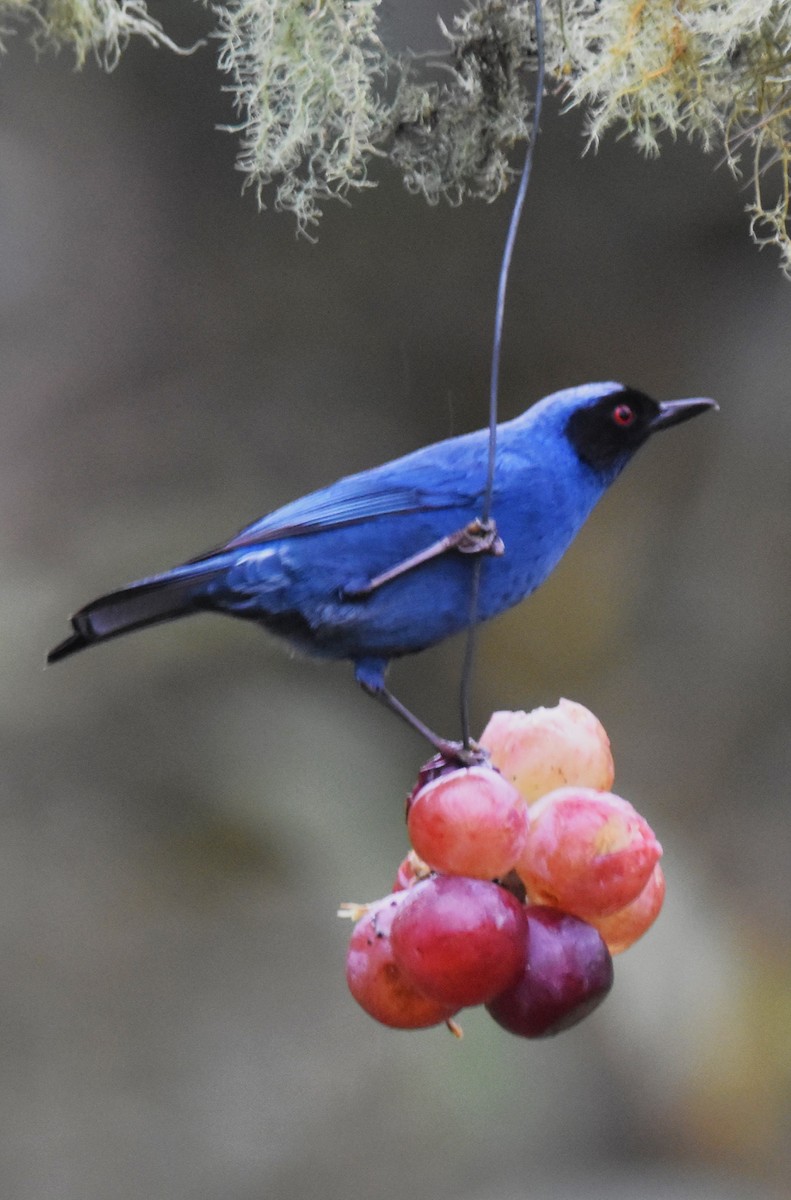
<point x="472" y="755"/>
<point x="480" y="537"/>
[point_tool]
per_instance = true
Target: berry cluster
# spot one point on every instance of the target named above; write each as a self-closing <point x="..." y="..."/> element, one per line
<point x="526" y="875"/>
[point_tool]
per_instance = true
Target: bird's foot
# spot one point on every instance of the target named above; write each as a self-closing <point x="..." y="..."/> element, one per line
<point x="480" y="537"/>
<point x="466" y="756"/>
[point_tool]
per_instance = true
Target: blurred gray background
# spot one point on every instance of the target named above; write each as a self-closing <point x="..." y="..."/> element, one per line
<point x="183" y="810"/>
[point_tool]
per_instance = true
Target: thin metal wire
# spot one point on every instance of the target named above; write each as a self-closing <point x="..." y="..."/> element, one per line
<point x="505" y="266"/>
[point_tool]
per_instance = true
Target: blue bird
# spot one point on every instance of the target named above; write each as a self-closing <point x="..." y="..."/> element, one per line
<point x="379" y="564"/>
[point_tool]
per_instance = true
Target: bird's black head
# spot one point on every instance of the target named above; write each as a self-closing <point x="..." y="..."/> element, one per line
<point x="608" y="430"/>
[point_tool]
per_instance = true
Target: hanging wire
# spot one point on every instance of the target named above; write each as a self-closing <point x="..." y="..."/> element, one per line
<point x="505" y="266"/>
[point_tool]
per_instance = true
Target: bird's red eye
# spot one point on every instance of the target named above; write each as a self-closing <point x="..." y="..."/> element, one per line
<point x="623" y="415"/>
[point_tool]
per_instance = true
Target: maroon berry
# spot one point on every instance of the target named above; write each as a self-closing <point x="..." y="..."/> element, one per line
<point x="567" y="973"/>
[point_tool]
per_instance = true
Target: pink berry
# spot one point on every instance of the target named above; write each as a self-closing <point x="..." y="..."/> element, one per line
<point x="459" y="940"/>
<point x="567" y="973"/>
<point x="589" y="853"/>
<point x="471" y="822"/>
<point x="378" y="983"/>
<point x="622" y="929"/>
<point x="550" y="748"/>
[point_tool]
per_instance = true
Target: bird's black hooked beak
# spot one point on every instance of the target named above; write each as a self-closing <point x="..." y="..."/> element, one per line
<point x="673" y="412"/>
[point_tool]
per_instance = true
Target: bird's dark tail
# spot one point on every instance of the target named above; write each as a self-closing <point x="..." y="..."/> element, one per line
<point x="175" y="594"/>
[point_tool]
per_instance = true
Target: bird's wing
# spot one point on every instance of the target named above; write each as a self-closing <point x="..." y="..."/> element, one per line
<point x="329" y="510"/>
<point x="447" y="475"/>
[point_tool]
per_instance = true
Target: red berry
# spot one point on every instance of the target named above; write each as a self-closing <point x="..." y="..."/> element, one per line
<point x="378" y="983"/>
<point x="588" y="853"/>
<point x="459" y="940"/>
<point x="622" y="929"/>
<point x="470" y="822"/>
<point x="567" y="973"/>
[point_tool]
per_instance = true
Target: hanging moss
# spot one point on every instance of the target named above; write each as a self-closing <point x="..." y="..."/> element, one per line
<point x="309" y="79"/>
<point x="100" y="29"/>
<point x="305" y="78"/>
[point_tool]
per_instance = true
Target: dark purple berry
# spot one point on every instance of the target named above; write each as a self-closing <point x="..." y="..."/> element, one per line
<point x="568" y="972"/>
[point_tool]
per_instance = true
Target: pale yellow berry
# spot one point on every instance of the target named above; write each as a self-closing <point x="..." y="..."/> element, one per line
<point x="549" y="748"/>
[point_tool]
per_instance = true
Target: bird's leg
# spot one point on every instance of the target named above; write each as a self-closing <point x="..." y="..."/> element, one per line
<point x="479" y="537"/>
<point x="370" y="674"/>
<point x="466" y="756"/>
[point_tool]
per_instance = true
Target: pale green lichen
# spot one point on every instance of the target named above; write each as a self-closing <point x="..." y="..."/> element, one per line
<point x="308" y="79"/>
<point x="455" y="134"/>
<point x="713" y="71"/>
<point x="305" y="77"/>
<point x="102" y="28"/>
<point x="717" y="72"/>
